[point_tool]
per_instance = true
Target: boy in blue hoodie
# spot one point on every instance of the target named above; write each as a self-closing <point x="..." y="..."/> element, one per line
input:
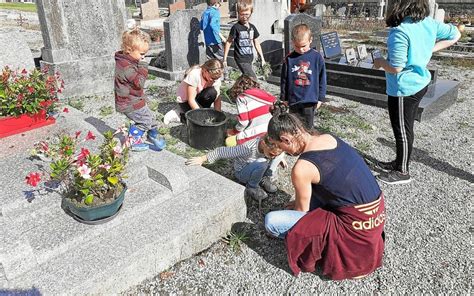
<point x="303" y="76"/>
<point x="211" y="26"/>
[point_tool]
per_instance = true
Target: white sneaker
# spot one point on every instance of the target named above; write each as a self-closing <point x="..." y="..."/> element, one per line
<point x="171" y="116"/>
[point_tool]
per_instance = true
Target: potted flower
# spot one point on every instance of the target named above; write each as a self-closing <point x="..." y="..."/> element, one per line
<point x="27" y="99"/>
<point x="91" y="184"/>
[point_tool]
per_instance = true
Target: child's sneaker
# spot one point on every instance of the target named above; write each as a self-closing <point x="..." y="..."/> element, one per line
<point x="171" y="116"/>
<point x="257" y="194"/>
<point x="158" y="141"/>
<point x="394" y="177"/>
<point x="268" y="185"/>
<point x="136" y="140"/>
<point x="385" y="166"/>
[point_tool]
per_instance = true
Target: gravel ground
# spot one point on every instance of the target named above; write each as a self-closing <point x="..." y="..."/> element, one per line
<point x="428" y="226"/>
<point x="429" y="220"/>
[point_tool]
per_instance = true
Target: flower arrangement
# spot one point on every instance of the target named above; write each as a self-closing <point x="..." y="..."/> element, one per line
<point x="84" y="177"/>
<point x="156" y="35"/>
<point x="23" y="92"/>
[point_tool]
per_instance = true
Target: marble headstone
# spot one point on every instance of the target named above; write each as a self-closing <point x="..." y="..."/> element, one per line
<point x="301" y="18"/>
<point x="150" y="10"/>
<point x="80" y="40"/>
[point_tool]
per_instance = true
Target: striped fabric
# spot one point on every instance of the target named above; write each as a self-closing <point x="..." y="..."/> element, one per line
<point x="253" y="107"/>
<point x="130" y="77"/>
<point x="242" y="154"/>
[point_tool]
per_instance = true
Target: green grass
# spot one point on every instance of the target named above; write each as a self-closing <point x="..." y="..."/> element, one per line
<point x="235" y="240"/>
<point x="153" y="89"/>
<point x="19" y="6"/>
<point x="76" y="103"/>
<point x="153" y="105"/>
<point x="151" y="77"/>
<point x="106" y="111"/>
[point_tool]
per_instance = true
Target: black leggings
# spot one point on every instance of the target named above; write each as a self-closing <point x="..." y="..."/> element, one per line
<point x="204" y="99"/>
<point x="402" y="111"/>
<point x="306" y="113"/>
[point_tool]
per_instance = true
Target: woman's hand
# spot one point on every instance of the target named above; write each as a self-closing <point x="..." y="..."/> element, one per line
<point x="198" y="160"/>
<point x="290" y="205"/>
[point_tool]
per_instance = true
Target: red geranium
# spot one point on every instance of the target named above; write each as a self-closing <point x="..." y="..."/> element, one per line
<point x="33" y="179"/>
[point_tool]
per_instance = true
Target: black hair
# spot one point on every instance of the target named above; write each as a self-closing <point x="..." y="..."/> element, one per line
<point x="284" y="122"/>
<point x="416" y="9"/>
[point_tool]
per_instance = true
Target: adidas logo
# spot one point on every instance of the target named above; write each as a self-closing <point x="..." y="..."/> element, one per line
<point x="369" y="208"/>
<point x="369" y="224"/>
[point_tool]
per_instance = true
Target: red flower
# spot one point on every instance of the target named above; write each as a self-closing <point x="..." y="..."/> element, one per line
<point x="33" y="179"/>
<point x="84" y="153"/>
<point x="66" y="110"/>
<point x="31" y="89"/>
<point x="77" y="133"/>
<point x="44" y="146"/>
<point x="90" y="136"/>
<point x="20" y="97"/>
<point x="24" y="71"/>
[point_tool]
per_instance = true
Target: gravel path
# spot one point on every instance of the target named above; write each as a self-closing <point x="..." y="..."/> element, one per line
<point x="428" y="226"/>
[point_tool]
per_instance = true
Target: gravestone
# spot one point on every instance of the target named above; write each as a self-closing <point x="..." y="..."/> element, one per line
<point x="331" y="45"/>
<point x="440" y="14"/>
<point x="232" y="8"/>
<point x="150" y="10"/>
<point x="184" y="44"/>
<point x="15" y="52"/>
<point x="265" y="14"/>
<point x="351" y="57"/>
<point x="341" y="12"/>
<point x="319" y="10"/>
<point x="80" y="41"/>
<point x="362" y="52"/>
<point x="301" y="18"/>
<point x="178" y="5"/>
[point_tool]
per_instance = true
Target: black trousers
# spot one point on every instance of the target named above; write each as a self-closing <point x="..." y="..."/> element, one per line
<point x="305" y="112"/>
<point x="204" y="99"/>
<point x="402" y="111"/>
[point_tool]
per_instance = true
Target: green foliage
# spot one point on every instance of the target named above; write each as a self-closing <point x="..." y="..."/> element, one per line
<point x="153" y="105"/>
<point x="234" y="74"/>
<point x="76" y="103"/>
<point x="28" y="7"/>
<point x="106" y="111"/>
<point x="86" y="177"/>
<point x="151" y="77"/>
<point x="153" y="89"/>
<point x="235" y="240"/>
<point x="28" y="92"/>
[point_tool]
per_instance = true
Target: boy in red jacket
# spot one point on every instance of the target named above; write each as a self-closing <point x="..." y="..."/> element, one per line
<point x="130" y="76"/>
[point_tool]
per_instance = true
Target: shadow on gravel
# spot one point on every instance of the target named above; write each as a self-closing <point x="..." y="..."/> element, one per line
<point x="423" y="157"/>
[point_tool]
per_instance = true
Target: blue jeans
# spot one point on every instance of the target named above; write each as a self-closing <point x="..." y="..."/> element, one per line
<point x="278" y="223"/>
<point x="252" y="173"/>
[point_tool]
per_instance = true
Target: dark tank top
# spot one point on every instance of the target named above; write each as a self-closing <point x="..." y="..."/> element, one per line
<point x="345" y="179"/>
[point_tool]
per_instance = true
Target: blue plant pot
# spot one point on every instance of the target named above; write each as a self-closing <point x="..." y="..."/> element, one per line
<point x="95" y="214"/>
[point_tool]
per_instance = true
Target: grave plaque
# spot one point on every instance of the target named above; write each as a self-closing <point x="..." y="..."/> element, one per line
<point x="331" y="45"/>
<point x="362" y="52"/>
<point x="351" y="57"/>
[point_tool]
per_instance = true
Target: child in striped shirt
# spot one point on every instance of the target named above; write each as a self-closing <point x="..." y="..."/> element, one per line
<point x="251" y="164"/>
<point x="253" y="106"/>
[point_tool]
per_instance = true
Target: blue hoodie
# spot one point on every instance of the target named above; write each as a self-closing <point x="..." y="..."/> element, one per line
<point x="211" y="25"/>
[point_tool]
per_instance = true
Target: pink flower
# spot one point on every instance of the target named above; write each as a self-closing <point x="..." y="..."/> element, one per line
<point x="84" y="171"/>
<point x="118" y="149"/>
<point x="83" y="155"/>
<point x="20" y="97"/>
<point x="44" y="146"/>
<point x="105" y="166"/>
<point x="33" y="179"/>
<point x="77" y="134"/>
<point x="121" y="130"/>
<point x="90" y="136"/>
<point x="66" y="110"/>
<point x="24" y="71"/>
<point x="31" y="89"/>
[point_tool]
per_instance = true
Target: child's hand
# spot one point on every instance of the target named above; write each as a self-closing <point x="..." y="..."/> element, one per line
<point x="263" y="63"/>
<point x="378" y="63"/>
<point x="318" y="105"/>
<point x="198" y="160"/>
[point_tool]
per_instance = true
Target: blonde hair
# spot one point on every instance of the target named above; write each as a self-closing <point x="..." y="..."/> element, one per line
<point x="245" y="5"/>
<point x="215" y="67"/>
<point x="300" y="32"/>
<point x="133" y="38"/>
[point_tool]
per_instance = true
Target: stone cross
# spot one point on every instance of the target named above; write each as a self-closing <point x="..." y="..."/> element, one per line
<point x="381" y="10"/>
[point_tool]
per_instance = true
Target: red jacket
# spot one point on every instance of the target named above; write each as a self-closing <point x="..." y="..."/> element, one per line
<point x="345" y="242"/>
<point x="130" y="77"/>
